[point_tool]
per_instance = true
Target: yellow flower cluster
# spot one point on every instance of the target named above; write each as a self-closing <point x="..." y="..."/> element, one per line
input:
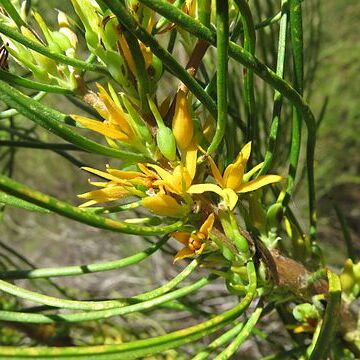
<point x="170" y="188"/>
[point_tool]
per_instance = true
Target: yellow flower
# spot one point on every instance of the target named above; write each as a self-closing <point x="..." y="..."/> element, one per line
<point x="194" y="242"/>
<point x="179" y="180"/>
<point x="234" y="180"/>
<point x="116" y="124"/>
<point x="120" y="184"/>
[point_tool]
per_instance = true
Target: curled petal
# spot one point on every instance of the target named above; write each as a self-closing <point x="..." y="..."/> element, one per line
<point x="244" y="154"/>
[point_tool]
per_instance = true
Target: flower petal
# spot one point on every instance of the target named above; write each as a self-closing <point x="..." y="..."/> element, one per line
<point x="258" y="183"/>
<point x="102" y="174"/>
<point x="233" y="174"/>
<point x="216" y="172"/>
<point x="182" y="237"/>
<point x="106" y="194"/>
<point x="201" y="188"/>
<point x="244" y="153"/>
<point x="184" y="253"/>
<point x="230" y="197"/>
<point x="191" y="159"/>
<point x="206" y="227"/>
<point x="102" y="128"/>
<point x="122" y="174"/>
<point x="116" y="114"/>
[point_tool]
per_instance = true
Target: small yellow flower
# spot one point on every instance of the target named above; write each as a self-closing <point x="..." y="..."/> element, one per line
<point x="194" y="242"/>
<point x="108" y="193"/>
<point x="116" y="124"/>
<point x="120" y="184"/>
<point x="234" y="180"/>
<point x="179" y="180"/>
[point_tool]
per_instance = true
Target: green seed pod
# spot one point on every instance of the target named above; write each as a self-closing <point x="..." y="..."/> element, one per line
<point x="166" y="143"/>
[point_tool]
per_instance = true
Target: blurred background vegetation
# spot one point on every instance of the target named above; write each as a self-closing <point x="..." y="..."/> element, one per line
<point x="333" y="44"/>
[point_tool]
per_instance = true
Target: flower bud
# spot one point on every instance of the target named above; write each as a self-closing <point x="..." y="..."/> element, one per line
<point x="65" y="29"/>
<point x="166" y="143"/>
<point x="182" y="123"/>
<point x="164" y="205"/>
<point x="347" y="277"/>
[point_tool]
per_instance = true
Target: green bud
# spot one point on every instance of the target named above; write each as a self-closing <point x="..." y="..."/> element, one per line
<point x="305" y="312"/>
<point x="61" y="40"/>
<point x="347" y="277"/>
<point x="166" y="143"/>
<point x="274" y="216"/>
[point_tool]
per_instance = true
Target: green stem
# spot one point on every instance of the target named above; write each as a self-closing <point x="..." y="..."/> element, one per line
<point x="13" y="112"/>
<point x="141" y="73"/>
<point x="241" y="337"/>
<point x="83" y="269"/>
<point x="11" y="10"/>
<point x="222" y="44"/>
<point x="321" y="345"/>
<point x="140" y="348"/>
<point x="351" y="253"/>
<point x="60" y="207"/>
<point x="297" y="49"/>
<point x="115" y="308"/>
<point x="220" y="341"/>
<point x="249" y="90"/>
<point x="31" y="84"/>
<point x="95" y="305"/>
<point x="278" y="98"/>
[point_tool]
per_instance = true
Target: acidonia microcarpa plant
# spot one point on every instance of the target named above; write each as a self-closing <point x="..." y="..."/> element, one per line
<point x="190" y="144"/>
